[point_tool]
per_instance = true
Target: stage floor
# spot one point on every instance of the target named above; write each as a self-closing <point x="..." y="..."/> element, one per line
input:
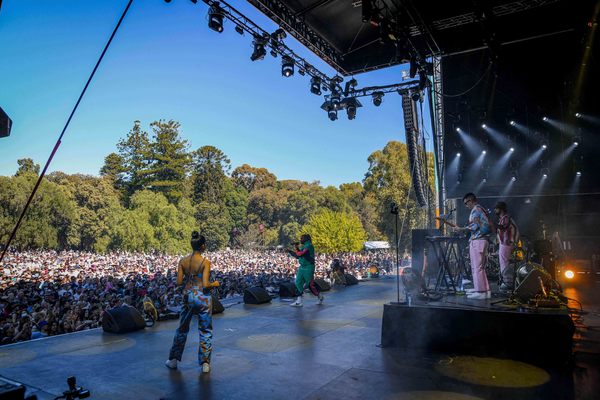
<point x="274" y="351"/>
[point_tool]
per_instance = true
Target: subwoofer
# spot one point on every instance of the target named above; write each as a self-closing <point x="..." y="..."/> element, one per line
<point x="256" y="295"/>
<point x="287" y="290"/>
<point x="530" y="279"/>
<point x="322" y="285"/>
<point x="122" y="320"/>
<point x="217" y="307"/>
<point x="351" y="280"/>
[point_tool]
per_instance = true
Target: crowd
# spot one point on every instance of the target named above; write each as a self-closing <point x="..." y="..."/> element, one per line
<point x="44" y="293"/>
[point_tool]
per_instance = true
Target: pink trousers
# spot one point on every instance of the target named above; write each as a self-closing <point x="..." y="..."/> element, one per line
<point x="504" y="253"/>
<point x="478" y="254"/>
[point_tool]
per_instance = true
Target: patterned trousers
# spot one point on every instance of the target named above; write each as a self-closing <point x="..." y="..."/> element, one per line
<point x="201" y="305"/>
<point x="478" y="252"/>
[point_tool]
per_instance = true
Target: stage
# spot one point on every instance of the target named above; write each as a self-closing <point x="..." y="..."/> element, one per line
<point x="274" y="351"/>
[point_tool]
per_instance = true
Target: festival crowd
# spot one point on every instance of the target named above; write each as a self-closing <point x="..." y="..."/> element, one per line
<point x="45" y="293"/>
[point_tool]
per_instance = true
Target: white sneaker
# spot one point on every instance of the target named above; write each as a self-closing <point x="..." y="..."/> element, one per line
<point x="479" y="295"/>
<point x="171" y="363"/>
<point x="466" y="281"/>
<point x="296" y="304"/>
<point x="321" y="298"/>
<point x="205" y="367"/>
<point x="471" y="290"/>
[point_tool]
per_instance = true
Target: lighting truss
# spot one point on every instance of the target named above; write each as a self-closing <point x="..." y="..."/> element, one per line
<point x="249" y="26"/>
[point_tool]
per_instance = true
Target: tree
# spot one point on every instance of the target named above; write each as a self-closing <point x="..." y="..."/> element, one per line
<point x="210" y="166"/>
<point x="335" y="231"/>
<point x="214" y="223"/>
<point x="252" y="178"/>
<point x="169" y="160"/>
<point x="114" y="170"/>
<point x="27" y="166"/>
<point x="135" y="150"/>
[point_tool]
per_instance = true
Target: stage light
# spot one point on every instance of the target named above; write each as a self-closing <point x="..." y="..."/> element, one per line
<point x="544" y="176"/>
<point x="514" y="178"/>
<point x="484" y="152"/>
<point x="377" y="98"/>
<point x="315" y="85"/>
<point x="545" y="119"/>
<point x="512" y="123"/>
<point x="578" y="115"/>
<point x="351" y="104"/>
<point x="215" y="17"/>
<point x="332" y="114"/>
<point x="335" y="102"/>
<point x="239" y="29"/>
<point x="259" y="51"/>
<point x="544" y="146"/>
<point x="483" y="126"/>
<point x="512" y="149"/>
<point x="578" y="173"/>
<point x="569" y="274"/>
<point x="576" y="143"/>
<point x="457" y="129"/>
<point x="484" y="180"/>
<point x="287" y="66"/>
<point x="416" y="95"/>
<point x="457" y="154"/>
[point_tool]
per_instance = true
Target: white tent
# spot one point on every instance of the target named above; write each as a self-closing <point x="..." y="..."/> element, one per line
<point x="376" y="245"/>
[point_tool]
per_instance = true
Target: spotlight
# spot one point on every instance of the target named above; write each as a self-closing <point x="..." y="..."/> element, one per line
<point x="457" y="154"/>
<point x="457" y="129"/>
<point x="578" y="115"/>
<point x="544" y="146"/>
<point x="483" y="126"/>
<point x="544" y="176"/>
<point x="512" y="149"/>
<point x="484" y="152"/>
<point x="569" y="274"/>
<point x="335" y="102"/>
<point x="416" y="95"/>
<point x="315" y="85"/>
<point x="239" y="29"/>
<point x="575" y="143"/>
<point x="545" y="172"/>
<point x="578" y="173"/>
<point x="545" y="119"/>
<point x="215" y="17"/>
<point x="332" y="114"/>
<point x="514" y="178"/>
<point x="287" y="66"/>
<point x="512" y="123"/>
<point x="377" y="98"/>
<point x="259" y="51"/>
<point x="350" y="104"/>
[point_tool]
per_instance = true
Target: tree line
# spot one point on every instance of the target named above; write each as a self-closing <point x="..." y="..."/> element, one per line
<point x="155" y="190"/>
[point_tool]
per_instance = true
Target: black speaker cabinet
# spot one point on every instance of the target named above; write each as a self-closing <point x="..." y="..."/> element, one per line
<point x="351" y="280"/>
<point x="287" y="290"/>
<point x="532" y="284"/>
<point x="217" y="307"/>
<point x="5" y="123"/>
<point x="256" y="295"/>
<point x="122" y="320"/>
<point x="322" y="285"/>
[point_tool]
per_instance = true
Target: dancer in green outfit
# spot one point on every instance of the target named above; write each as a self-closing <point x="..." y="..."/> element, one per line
<point x="305" y="253"/>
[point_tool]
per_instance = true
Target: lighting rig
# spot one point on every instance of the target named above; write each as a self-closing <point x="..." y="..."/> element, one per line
<point x="338" y="99"/>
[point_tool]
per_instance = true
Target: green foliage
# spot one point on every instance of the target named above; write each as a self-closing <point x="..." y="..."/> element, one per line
<point x="333" y="231"/>
<point x="27" y="166"/>
<point x="135" y="151"/>
<point x="210" y="166"/>
<point x="251" y="178"/>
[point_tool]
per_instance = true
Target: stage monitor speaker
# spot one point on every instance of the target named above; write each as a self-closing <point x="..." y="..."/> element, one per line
<point x="11" y="390"/>
<point x="5" y="123"/>
<point x="322" y="285"/>
<point x="256" y="295"/>
<point x="287" y="290"/>
<point x="351" y="280"/>
<point x="420" y="247"/>
<point x="530" y="286"/>
<point x="122" y="320"/>
<point x="217" y="307"/>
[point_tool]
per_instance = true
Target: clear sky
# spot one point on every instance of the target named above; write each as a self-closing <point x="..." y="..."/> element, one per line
<point x="165" y="63"/>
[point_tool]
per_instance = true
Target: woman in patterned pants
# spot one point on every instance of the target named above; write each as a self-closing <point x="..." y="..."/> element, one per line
<point x="193" y="274"/>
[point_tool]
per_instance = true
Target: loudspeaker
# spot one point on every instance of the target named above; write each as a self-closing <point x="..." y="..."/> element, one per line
<point x="287" y="289"/>
<point x="217" y="307"/>
<point x="351" y="280"/>
<point x="122" y="320"/>
<point x="322" y="285"/>
<point x="5" y="123"/>
<point x="256" y="295"/>
<point x="530" y="286"/>
<point x="420" y="247"/>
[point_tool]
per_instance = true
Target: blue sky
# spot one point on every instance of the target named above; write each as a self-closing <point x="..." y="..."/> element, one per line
<point x="165" y="63"/>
